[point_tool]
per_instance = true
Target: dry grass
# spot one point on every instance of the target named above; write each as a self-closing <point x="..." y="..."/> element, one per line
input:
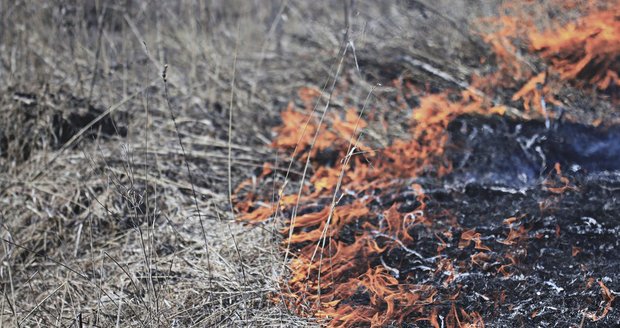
<point x="99" y="223"/>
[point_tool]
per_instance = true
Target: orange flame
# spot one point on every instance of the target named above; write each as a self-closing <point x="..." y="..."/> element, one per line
<point x="585" y="51"/>
<point x="337" y="268"/>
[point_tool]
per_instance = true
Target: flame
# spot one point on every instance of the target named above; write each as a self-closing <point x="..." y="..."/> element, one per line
<point x="327" y="271"/>
<point x="558" y="187"/>
<point x="515" y="236"/>
<point x="471" y="235"/>
<point x="585" y="51"/>
<point x="608" y="299"/>
<point x="290" y="137"/>
<point x="339" y="241"/>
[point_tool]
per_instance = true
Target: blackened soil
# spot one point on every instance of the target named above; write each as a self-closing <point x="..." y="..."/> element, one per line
<point x="499" y="151"/>
<point x="570" y="243"/>
<point x="565" y="245"/>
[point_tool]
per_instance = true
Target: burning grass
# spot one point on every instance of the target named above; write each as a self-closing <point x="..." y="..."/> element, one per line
<point x="360" y="224"/>
<point x="582" y="52"/>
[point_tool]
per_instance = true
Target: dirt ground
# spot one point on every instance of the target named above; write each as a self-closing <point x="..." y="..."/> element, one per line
<point x="126" y="127"/>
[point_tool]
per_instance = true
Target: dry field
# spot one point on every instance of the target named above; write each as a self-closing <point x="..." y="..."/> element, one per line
<point x="130" y="131"/>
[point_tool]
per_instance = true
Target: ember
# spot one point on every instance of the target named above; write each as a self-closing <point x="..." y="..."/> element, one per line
<point x="473" y="212"/>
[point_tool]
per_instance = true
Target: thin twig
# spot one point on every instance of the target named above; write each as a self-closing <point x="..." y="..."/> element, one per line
<point x="189" y="171"/>
<point x="40" y="303"/>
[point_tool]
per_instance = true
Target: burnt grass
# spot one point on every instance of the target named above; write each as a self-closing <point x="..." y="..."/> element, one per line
<point x="570" y="239"/>
<point x="572" y="236"/>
